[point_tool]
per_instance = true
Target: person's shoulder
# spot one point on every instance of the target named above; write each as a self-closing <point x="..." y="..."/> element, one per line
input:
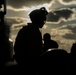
<point x="25" y="28"/>
<point x="28" y="26"/>
<point x="53" y="41"/>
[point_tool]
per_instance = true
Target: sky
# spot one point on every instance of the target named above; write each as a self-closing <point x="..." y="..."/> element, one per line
<point x="61" y="20"/>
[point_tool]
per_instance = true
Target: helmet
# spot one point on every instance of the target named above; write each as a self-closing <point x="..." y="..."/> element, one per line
<point x="38" y="14"/>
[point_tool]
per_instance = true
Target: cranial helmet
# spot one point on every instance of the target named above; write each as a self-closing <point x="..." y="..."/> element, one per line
<point x="38" y="14"/>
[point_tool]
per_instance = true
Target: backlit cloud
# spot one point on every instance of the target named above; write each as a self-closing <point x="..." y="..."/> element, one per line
<point x="67" y="31"/>
<point x="15" y="23"/>
<point x="68" y="2"/>
<point x="28" y="3"/>
<point x="15" y="20"/>
<point x="55" y="16"/>
<point x="61" y="20"/>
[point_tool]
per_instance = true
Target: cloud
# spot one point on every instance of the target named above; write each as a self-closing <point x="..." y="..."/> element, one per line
<point x="12" y="13"/>
<point x="15" y="23"/>
<point x="67" y="0"/>
<point x="70" y="27"/>
<point x="59" y="32"/>
<point x="65" y="13"/>
<point x="63" y="42"/>
<point x="21" y="3"/>
<point x="64" y="36"/>
<point x="14" y="20"/>
<point x="55" y="16"/>
<point x="59" y="4"/>
<point x="70" y="36"/>
<point x="70" y="32"/>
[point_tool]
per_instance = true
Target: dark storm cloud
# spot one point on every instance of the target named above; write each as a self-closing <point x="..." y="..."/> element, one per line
<point x="52" y="17"/>
<point x="20" y="3"/>
<point x="67" y="1"/>
<point x="65" y="13"/>
<point x="56" y="15"/>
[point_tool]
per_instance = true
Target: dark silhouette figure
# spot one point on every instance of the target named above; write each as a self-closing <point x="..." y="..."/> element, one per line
<point x="73" y="58"/>
<point x="4" y="45"/>
<point x="28" y="43"/>
<point x="73" y="49"/>
<point x="4" y="37"/>
<point x="48" y="42"/>
<point x="54" y="62"/>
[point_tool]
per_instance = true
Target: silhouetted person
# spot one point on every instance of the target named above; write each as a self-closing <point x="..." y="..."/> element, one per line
<point x="54" y="62"/>
<point x="73" y="49"/>
<point x="48" y="42"/>
<point x="73" y="58"/>
<point x="28" y="43"/>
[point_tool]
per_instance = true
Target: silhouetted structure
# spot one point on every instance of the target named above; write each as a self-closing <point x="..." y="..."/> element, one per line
<point x="4" y="45"/>
<point x="54" y="62"/>
<point x="48" y="42"/>
<point x="2" y="12"/>
<point x="4" y="36"/>
<point x="28" y="43"/>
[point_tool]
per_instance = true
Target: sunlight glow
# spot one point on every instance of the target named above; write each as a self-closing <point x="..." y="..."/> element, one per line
<point x="68" y="3"/>
<point x="45" y="26"/>
<point x="29" y="9"/>
<point x="37" y="7"/>
<point x="16" y="9"/>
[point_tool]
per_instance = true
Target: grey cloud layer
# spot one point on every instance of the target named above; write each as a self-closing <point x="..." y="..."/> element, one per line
<point x="20" y="3"/>
<point x="15" y="20"/>
<point x="11" y="13"/>
<point x="67" y="1"/>
<point x="11" y="21"/>
<point x="56" y="15"/>
<point x="69" y="35"/>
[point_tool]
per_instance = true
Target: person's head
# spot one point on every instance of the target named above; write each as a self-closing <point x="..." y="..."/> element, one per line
<point x="38" y="16"/>
<point x="46" y="36"/>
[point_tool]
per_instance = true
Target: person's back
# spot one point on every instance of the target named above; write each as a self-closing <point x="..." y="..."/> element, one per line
<point x="48" y="42"/>
<point x="28" y="44"/>
<point x="73" y="58"/>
